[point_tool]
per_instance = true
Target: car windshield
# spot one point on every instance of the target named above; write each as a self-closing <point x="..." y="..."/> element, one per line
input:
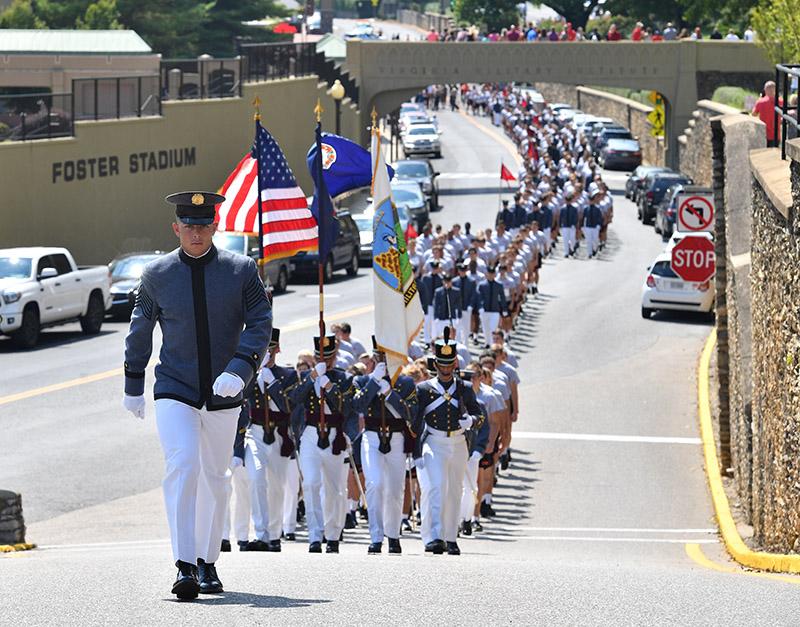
<point x="401" y="195"/>
<point x="130" y="267"/>
<point x="661" y="185"/>
<point x="363" y="223"/>
<point x="411" y="169"/>
<point x="15" y="267"/>
<point x="662" y="268"/>
<point x="229" y="241"/>
<point x="422" y="130"/>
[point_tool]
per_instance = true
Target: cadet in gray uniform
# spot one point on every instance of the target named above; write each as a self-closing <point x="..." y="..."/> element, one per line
<point x="215" y="321"/>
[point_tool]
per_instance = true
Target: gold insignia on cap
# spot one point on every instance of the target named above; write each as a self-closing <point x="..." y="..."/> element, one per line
<point x="328" y="341"/>
<point x="197" y="199"/>
<point x="447" y="350"/>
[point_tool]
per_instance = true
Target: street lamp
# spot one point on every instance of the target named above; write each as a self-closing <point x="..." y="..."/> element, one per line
<point x="337" y="93"/>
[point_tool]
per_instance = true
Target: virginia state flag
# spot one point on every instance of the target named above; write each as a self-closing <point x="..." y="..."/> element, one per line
<point x="398" y="311"/>
<point x="322" y="206"/>
<point x="345" y="164"/>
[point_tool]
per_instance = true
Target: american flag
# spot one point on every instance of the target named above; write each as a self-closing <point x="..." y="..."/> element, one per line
<point x="288" y="226"/>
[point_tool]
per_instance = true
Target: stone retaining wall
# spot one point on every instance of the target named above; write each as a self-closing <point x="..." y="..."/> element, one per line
<point x="694" y="145"/>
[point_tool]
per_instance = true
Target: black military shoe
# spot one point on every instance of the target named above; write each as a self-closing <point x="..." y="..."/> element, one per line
<point x="504" y="459"/>
<point x="452" y="549"/>
<point x="289" y="537"/>
<point x="333" y="546"/>
<point x="301" y="510"/>
<point x="477" y="526"/>
<point x="186" y="586"/>
<point x="274" y="546"/>
<point x="257" y="545"/>
<point x="394" y="546"/>
<point x="225" y="547"/>
<point x="350" y="521"/>
<point x="406" y="526"/>
<point x="364" y="513"/>
<point x="374" y="548"/>
<point x="243" y="545"/>
<point x="466" y="528"/>
<point x="435" y="546"/>
<point x="486" y="510"/>
<point x="315" y="547"/>
<point x="209" y="581"/>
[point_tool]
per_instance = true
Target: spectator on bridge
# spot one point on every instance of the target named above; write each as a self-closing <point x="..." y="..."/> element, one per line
<point x="696" y="33"/>
<point x="684" y="34"/>
<point x="594" y="35"/>
<point x="716" y="34"/>
<point x="749" y="34"/>
<point x="670" y="32"/>
<point x="513" y="33"/>
<point x="657" y="36"/>
<point x="613" y="33"/>
<point x="532" y="34"/>
<point x="638" y="32"/>
<point x="765" y="110"/>
<point x="569" y="32"/>
<point x="432" y="35"/>
<point x="579" y="34"/>
<point x="731" y="36"/>
<point x="552" y="35"/>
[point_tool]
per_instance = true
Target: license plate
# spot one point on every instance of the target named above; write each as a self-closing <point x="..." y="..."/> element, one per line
<point x="676" y="285"/>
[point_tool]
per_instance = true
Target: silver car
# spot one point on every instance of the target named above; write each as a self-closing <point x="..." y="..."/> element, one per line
<point x="276" y="273"/>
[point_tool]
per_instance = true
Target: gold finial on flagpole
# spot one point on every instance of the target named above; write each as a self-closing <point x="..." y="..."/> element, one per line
<point x="374" y="120"/>
<point x="257" y="105"/>
<point x="318" y="110"/>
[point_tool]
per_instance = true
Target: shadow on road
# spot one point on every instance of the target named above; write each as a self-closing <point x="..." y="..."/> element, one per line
<point x="51" y="339"/>
<point x="254" y="600"/>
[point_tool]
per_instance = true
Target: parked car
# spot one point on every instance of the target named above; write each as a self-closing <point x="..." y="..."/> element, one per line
<point x="636" y="177"/>
<point x="424" y="119"/>
<point x="667" y="209"/>
<point x="409" y="194"/>
<point x="420" y="171"/>
<point x="601" y="138"/>
<point x="364" y="222"/>
<point x="653" y="190"/>
<point x="277" y="273"/>
<point x="43" y="287"/>
<point x="412" y="117"/>
<point x="345" y="253"/>
<point x="621" y="154"/>
<point x="665" y="290"/>
<point x="126" y="270"/>
<point x="422" y="139"/>
<point x="411" y="107"/>
<point x="590" y="127"/>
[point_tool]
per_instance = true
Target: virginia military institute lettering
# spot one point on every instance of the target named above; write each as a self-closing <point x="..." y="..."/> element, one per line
<point x="101" y="167"/>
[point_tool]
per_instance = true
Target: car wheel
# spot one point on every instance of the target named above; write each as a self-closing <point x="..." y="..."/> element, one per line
<point x="93" y="320"/>
<point x="327" y="269"/>
<point x="438" y="155"/>
<point x="283" y="281"/>
<point x="655" y="226"/>
<point x="646" y="313"/>
<point x="27" y="335"/>
<point x="352" y="269"/>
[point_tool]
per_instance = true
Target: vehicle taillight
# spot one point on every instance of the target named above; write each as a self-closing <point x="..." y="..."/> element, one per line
<point x="703" y="287"/>
<point x="670" y="212"/>
<point x="651" y="280"/>
<point x="650" y="195"/>
<point x="637" y="154"/>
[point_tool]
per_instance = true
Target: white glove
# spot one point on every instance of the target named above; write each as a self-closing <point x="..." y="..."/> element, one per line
<point x="321" y="368"/>
<point x="385" y="387"/>
<point x="135" y="405"/>
<point x="380" y="370"/>
<point x="228" y="384"/>
<point x="419" y="463"/>
<point x="465" y="422"/>
<point x="236" y="462"/>
<point x="324" y="381"/>
<point x="266" y="375"/>
<point x="475" y="456"/>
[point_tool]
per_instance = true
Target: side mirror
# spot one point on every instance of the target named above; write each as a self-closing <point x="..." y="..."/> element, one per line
<point x="48" y="273"/>
<point x="436" y="173"/>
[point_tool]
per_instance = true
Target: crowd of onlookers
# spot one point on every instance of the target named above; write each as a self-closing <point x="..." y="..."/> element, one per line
<point x="566" y="32"/>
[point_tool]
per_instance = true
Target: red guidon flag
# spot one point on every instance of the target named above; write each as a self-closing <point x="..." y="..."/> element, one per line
<point x="505" y="173"/>
<point x="287" y="224"/>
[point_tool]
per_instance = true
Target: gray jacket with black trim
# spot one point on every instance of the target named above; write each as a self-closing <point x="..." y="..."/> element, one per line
<point x="214" y="316"/>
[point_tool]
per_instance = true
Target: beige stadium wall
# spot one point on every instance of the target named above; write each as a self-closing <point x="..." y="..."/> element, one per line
<point x="121" y="208"/>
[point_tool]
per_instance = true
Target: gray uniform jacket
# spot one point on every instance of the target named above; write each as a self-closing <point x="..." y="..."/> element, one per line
<point x="214" y="316"/>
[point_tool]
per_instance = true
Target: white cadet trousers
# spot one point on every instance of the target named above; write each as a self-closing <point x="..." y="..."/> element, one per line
<point x="427" y="326"/>
<point x="548" y="235"/>
<point x="324" y="486"/>
<point x="238" y="484"/>
<point x="470" y="494"/>
<point x="490" y="320"/>
<point x="268" y="478"/>
<point x="385" y="476"/>
<point x="591" y="234"/>
<point x="441" y="481"/>
<point x="463" y="327"/>
<point x="197" y="446"/>
<point x="439" y="326"/>
<point x="568" y="233"/>
<point x="291" y="496"/>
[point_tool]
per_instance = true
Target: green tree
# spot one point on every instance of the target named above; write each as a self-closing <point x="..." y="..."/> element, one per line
<point x="777" y="24"/>
<point x="61" y="13"/>
<point x="20" y="14"/>
<point x="575" y="11"/>
<point x="100" y="15"/>
<point x="171" y="27"/>
<point x="224" y="23"/>
<point x="494" y="15"/>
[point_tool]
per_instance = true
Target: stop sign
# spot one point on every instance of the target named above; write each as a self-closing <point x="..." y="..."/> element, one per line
<point x="693" y="259"/>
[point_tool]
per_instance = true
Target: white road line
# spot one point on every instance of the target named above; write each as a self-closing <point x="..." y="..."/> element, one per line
<point x="597" y="437"/>
<point x="103" y="545"/>
<point x="456" y="176"/>
<point x="605" y="529"/>
<point x="606" y="539"/>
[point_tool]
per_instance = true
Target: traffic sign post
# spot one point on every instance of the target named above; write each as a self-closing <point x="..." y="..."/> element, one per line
<point x="694" y="259"/>
<point x="695" y="211"/>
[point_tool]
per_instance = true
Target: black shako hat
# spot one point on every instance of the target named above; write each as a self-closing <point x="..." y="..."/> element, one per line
<point x="275" y="339"/>
<point x="195" y="207"/>
<point x="445" y="350"/>
<point x="328" y="346"/>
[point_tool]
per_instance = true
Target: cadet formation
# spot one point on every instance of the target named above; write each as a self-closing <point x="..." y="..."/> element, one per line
<point x="328" y="442"/>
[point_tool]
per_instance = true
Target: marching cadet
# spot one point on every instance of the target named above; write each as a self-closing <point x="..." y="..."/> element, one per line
<point x="492" y="304"/>
<point x="446" y="307"/>
<point x="323" y="441"/>
<point x="387" y="410"/>
<point x="505" y="215"/>
<point x="238" y="484"/>
<point x="468" y="289"/>
<point x="270" y="448"/>
<point x="568" y="220"/>
<point x="477" y="442"/>
<point x="427" y="286"/>
<point x="446" y="408"/>
<point x="592" y="221"/>
<point x="215" y="321"/>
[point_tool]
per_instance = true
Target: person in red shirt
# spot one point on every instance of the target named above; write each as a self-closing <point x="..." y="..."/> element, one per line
<point x="513" y="33"/>
<point x="432" y="35"/>
<point x="765" y="110"/>
<point x="637" y="33"/>
<point x="570" y="32"/>
<point x="613" y="33"/>
<point x="657" y="36"/>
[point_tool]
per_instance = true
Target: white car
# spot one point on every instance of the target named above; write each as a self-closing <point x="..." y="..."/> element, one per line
<point x="422" y="139"/>
<point x="677" y="236"/>
<point x="42" y="287"/>
<point x="665" y="290"/>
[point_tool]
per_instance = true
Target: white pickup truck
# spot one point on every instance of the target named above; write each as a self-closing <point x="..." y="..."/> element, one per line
<point x="42" y="287"/>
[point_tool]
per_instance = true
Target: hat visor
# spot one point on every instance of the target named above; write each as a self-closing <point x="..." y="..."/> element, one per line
<point x="194" y="220"/>
<point x="446" y="361"/>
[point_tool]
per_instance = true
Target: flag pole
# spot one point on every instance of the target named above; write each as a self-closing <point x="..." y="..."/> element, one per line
<point x="257" y="120"/>
<point x="323" y="428"/>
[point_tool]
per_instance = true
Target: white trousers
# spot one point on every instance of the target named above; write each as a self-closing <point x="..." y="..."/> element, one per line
<point x="291" y="496"/>
<point x="197" y="446"/>
<point x="490" y="320"/>
<point x="324" y="486"/>
<point x="568" y="233"/>
<point x="470" y="495"/>
<point x="439" y="326"/>
<point x="548" y="236"/>
<point x="238" y="485"/>
<point x="427" y="326"/>
<point x="463" y="326"/>
<point x="268" y="480"/>
<point x="591" y="234"/>
<point x="441" y="481"/>
<point x="385" y="476"/>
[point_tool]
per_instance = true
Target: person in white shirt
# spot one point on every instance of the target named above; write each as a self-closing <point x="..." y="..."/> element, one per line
<point x="731" y="36"/>
<point x="749" y="34"/>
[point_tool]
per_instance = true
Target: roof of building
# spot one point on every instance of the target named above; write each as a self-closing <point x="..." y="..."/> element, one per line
<point x="32" y="41"/>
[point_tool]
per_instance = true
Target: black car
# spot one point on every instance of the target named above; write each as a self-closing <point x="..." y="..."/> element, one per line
<point x="664" y="223"/>
<point x="656" y="185"/>
<point x="343" y="256"/>
<point x="420" y="171"/>
<point x="636" y="177"/>
<point x="126" y="270"/>
<point x="610" y="132"/>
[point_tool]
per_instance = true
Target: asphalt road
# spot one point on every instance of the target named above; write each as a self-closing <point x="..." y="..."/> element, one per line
<point x="598" y="517"/>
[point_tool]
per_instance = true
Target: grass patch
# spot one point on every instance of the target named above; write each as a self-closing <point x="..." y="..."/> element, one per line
<point x="733" y="96"/>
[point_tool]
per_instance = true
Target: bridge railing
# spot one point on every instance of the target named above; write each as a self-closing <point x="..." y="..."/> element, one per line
<point x="268" y="61"/>
<point x="203" y="77"/>
<point x="787" y="78"/>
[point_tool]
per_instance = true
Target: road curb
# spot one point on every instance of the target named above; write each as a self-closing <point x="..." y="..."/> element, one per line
<point x="738" y="550"/>
<point x="13" y="548"/>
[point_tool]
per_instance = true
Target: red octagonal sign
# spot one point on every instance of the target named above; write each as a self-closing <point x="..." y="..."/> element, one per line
<point x="693" y="259"/>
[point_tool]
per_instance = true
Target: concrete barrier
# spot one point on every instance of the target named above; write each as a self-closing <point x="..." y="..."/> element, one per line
<point x="12" y="523"/>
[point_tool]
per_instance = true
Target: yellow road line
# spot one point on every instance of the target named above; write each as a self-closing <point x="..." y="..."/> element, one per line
<point x="308" y="323"/>
<point x="15" y="548"/>
<point x="730" y="535"/>
<point x="498" y="137"/>
<point x="695" y="552"/>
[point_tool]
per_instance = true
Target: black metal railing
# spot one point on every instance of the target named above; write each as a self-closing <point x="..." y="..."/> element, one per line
<point x="787" y="78"/>
<point x="268" y="61"/>
<point x="35" y="116"/>
<point x="192" y="79"/>
<point x="116" y="97"/>
<point x="329" y="71"/>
